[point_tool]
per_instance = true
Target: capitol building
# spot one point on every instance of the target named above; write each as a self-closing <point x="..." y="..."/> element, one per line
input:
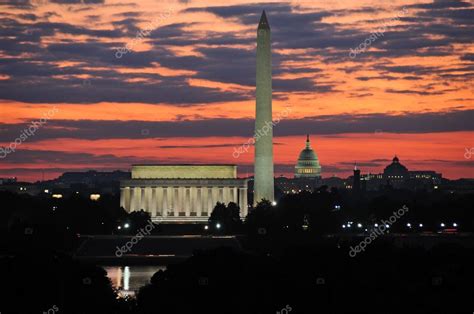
<point x="308" y="165"/>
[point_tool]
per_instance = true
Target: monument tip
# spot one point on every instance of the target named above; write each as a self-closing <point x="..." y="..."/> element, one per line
<point x="263" y="24"/>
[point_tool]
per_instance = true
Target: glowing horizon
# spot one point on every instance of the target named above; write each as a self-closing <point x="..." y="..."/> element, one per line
<point x="185" y="92"/>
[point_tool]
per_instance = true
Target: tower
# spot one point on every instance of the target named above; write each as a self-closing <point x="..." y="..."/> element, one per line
<point x="263" y="185"/>
<point x="356" y="183"/>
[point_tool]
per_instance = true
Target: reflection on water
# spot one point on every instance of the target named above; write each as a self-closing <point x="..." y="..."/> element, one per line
<point x="128" y="279"/>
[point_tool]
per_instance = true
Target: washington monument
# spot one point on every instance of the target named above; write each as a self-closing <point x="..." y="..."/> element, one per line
<point x="263" y="185"/>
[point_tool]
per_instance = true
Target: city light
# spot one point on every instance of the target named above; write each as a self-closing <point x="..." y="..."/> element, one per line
<point x="376" y="225"/>
<point x="343" y="226"/>
<point x="455" y="224"/>
<point x="421" y="225"/>
<point x="409" y="225"/>
<point x="126" y="226"/>
<point x="274" y="203"/>
<point x="443" y="225"/>
<point x="218" y="225"/>
<point x="119" y="227"/>
<point x="206" y="227"/>
<point x="359" y="225"/>
<point x="94" y="197"/>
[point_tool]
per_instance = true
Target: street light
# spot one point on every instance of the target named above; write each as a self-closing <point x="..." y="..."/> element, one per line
<point x="206" y="227"/>
<point x="218" y="225"/>
<point x="455" y="224"/>
<point x="126" y="226"/>
<point x="442" y="225"/>
<point x="274" y="203"/>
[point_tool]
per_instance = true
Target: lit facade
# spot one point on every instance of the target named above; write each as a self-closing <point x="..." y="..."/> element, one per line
<point x="182" y="193"/>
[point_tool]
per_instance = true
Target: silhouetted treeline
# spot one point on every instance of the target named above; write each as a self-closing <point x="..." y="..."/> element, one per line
<point x="316" y="279"/>
<point x="325" y="211"/>
<point x="46" y="282"/>
<point x="308" y="279"/>
<point x="28" y="222"/>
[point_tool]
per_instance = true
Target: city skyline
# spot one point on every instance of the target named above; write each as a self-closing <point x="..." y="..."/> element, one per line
<point x="184" y="92"/>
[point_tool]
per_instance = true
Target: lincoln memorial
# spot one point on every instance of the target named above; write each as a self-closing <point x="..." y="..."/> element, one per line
<point x="180" y="193"/>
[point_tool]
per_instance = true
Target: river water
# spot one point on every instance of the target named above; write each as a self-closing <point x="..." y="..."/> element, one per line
<point x="128" y="279"/>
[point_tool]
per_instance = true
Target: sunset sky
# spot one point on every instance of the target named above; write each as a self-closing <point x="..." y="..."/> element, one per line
<point x="184" y="92"/>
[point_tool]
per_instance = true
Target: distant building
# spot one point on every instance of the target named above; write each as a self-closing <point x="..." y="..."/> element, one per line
<point x="182" y="193"/>
<point x="7" y="180"/>
<point x="397" y="176"/>
<point x="92" y="177"/>
<point x="308" y="165"/>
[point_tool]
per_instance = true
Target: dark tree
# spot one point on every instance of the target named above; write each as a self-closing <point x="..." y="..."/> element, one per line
<point x="227" y="217"/>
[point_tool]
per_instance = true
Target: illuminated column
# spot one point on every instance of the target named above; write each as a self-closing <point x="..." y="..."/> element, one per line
<point x="234" y="195"/>
<point x="243" y="202"/>
<point x="127" y="198"/>
<point x="165" y="201"/>
<point x="176" y="202"/>
<point x="135" y="198"/>
<point x="198" y="202"/>
<point x="212" y="195"/>
<point x="159" y="200"/>
<point x="205" y="199"/>
<point x="226" y="195"/>
<point x="187" y="203"/>
<point x="220" y="197"/>
<point x="132" y="200"/>
<point x="151" y="200"/>
<point x="122" y="198"/>
<point x="149" y="205"/>
<point x="142" y="200"/>
<point x="193" y="198"/>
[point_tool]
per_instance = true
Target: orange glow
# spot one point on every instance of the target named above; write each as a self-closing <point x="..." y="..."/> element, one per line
<point x="372" y="84"/>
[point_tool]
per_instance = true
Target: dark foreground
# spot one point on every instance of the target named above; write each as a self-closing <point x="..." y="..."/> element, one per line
<point x="299" y="277"/>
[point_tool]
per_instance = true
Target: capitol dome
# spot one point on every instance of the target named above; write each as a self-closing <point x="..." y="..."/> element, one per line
<point x="308" y="164"/>
<point x="395" y="170"/>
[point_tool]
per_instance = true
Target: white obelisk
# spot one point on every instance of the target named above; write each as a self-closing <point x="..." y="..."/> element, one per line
<point x="263" y="184"/>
